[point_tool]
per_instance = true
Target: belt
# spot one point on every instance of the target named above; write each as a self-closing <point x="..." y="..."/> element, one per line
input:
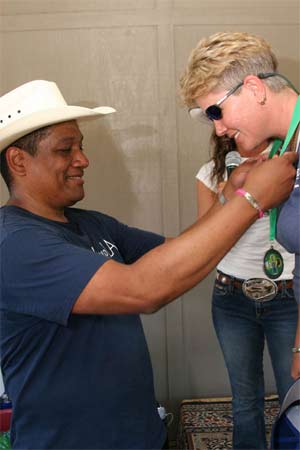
<point x="261" y="289"/>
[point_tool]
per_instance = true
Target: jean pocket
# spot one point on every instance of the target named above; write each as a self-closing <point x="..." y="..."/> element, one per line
<point x="221" y="289"/>
<point x="289" y="293"/>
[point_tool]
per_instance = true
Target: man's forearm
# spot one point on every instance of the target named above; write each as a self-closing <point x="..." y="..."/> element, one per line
<point x="187" y="259"/>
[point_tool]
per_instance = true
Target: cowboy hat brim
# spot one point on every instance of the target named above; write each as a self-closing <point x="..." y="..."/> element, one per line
<point x="39" y="119"/>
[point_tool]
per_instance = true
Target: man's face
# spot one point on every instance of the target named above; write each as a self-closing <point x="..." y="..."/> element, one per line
<point x="241" y="120"/>
<point x="55" y="173"/>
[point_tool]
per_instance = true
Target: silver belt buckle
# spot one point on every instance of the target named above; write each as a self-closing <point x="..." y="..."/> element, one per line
<point x="260" y="289"/>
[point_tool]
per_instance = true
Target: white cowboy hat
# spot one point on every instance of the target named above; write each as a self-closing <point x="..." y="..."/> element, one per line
<point x="37" y="104"/>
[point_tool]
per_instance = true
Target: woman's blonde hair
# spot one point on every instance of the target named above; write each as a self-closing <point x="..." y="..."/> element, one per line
<point x="223" y="60"/>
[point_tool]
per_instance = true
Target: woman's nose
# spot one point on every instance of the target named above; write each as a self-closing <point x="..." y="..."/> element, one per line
<point x="220" y="127"/>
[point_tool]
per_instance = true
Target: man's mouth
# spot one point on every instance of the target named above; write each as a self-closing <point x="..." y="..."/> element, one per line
<point x="78" y="178"/>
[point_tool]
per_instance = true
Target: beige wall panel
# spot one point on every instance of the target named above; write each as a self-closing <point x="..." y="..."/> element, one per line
<point x="162" y="12"/>
<point x="50" y="6"/>
<point x="236" y="12"/>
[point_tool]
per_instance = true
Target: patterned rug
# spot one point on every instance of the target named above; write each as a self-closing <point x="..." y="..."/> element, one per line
<point x="206" y="424"/>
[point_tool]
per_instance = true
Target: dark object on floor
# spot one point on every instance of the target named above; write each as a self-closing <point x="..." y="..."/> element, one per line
<point x="5" y="412"/>
<point x="206" y="423"/>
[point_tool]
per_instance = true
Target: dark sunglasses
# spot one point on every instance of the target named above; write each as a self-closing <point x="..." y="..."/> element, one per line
<point x="214" y="112"/>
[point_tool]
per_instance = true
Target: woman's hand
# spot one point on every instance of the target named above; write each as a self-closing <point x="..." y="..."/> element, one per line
<point x="295" y="371"/>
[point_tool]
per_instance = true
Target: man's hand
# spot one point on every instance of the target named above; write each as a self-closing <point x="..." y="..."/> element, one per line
<point x="269" y="181"/>
<point x="239" y="175"/>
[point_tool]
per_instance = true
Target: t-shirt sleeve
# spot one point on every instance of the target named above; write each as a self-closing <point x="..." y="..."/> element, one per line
<point x="132" y="242"/>
<point x="204" y="175"/>
<point x="138" y="243"/>
<point x="44" y="277"/>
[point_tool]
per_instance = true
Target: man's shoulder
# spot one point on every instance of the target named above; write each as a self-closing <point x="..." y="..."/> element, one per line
<point x="88" y="215"/>
<point x="17" y="220"/>
<point x="12" y="218"/>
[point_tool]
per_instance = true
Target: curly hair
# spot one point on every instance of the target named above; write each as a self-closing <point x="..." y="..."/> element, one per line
<point x="225" y="59"/>
<point x="220" y="146"/>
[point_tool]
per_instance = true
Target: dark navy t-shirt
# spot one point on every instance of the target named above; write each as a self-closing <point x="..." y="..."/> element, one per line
<point x="76" y="381"/>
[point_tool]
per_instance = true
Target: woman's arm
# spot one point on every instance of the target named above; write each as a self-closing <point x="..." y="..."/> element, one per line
<point x="295" y="372"/>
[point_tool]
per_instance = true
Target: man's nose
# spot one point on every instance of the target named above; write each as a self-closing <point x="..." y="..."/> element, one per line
<point x="80" y="160"/>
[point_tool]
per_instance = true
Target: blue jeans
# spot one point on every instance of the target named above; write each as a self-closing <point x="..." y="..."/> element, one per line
<point x="242" y="326"/>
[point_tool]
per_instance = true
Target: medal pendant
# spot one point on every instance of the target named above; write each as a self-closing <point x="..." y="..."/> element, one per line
<point x="273" y="263"/>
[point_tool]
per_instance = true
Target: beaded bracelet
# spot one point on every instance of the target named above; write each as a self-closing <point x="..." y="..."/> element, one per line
<point x="296" y="349"/>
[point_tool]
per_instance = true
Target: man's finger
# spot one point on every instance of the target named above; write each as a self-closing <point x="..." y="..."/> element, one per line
<point x="291" y="156"/>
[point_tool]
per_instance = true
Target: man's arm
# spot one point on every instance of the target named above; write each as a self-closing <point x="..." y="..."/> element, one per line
<point x="169" y="270"/>
<point x="205" y="199"/>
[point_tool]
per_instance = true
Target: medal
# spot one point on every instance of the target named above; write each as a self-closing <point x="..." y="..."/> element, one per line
<point x="273" y="263"/>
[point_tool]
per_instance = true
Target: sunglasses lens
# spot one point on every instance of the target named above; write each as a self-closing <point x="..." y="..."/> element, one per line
<point x="195" y="113"/>
<point x="214" y="112"/>
<point x="199" y="115"/>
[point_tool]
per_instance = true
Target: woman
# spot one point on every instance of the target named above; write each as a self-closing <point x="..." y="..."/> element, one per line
<point x="249" y="307"/>
<point x="231" y="79"/>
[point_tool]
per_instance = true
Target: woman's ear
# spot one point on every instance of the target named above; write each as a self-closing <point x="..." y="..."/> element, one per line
<point x="257" y="87"/>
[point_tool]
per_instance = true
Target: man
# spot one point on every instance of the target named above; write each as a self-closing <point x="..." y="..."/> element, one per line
<point x="232" y="80"/>
<point x="74" y="357"/>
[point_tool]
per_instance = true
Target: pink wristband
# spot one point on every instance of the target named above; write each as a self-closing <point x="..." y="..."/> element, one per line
<point x="251" y="200"/>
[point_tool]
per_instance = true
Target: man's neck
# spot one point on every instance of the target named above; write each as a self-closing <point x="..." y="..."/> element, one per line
<point x="40" y="210"/>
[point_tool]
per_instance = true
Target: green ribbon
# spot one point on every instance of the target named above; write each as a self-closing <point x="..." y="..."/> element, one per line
<point x="276" y="145"/>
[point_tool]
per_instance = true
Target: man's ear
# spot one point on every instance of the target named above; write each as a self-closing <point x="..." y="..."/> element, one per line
<point x="16" y="161"/>
<point x="257" y="87"/>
